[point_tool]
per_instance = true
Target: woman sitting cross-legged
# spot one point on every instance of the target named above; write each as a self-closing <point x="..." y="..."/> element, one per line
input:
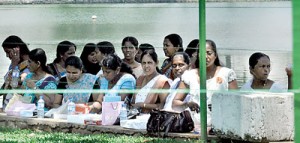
<point x="117" y="75"/>
<point x="151" y="79"/>
<point x="75" y="80"/>
<point x="39" y="78"/>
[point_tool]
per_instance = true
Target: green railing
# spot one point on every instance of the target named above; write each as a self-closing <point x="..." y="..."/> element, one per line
<point x="202" y="66"/>
<point x="296" y="66"/>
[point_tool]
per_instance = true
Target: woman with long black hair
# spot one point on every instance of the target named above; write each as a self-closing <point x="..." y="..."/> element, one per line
<point x="17" y="51"/>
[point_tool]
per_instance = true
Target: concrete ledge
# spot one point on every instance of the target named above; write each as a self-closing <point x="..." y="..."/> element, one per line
<point x="54" y="125"/>
<point x="257" y="117"/>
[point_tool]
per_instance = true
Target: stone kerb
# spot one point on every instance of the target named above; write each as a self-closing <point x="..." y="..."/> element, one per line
<point x="256" y="117"/>
<point x="55" y="125"/>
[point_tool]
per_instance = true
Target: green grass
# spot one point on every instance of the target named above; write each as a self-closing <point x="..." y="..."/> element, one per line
<point x="18" y="135"/>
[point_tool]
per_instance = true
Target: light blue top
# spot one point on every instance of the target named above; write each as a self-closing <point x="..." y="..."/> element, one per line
<point x="127" y="81"/>
<point x="87" y="82"/>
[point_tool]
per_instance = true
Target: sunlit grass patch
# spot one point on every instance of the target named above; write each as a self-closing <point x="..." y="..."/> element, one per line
<point x="18" y="135"/>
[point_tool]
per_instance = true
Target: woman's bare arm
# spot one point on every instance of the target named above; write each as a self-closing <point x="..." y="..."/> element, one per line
<point x="57" y="100"/>
<point x="97" y="104"/>
<point x="180" y="96"/>
<point x="233" y="85"/>
<point x="163" y="96"/>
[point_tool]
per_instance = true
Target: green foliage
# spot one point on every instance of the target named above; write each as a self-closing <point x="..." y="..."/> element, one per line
<point x="28" y="136"/>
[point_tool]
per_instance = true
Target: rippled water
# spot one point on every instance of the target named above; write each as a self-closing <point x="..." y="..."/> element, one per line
<point x="239" y="29"/>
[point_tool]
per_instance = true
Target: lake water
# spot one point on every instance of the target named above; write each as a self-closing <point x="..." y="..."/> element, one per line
<point x="239" y="29"/>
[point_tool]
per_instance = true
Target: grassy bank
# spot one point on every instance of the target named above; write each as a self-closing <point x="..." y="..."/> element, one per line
<point x="17" y="135"/>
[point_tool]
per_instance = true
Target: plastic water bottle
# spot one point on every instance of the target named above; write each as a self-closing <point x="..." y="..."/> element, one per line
<point x="15" y="77"/>
<point x="71" y="107"/>
<point x="123" y="114"/>
<point x="40" y="108"/>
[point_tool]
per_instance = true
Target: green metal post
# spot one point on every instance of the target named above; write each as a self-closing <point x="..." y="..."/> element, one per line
<point x="296" y="66"/>
<point x="202" y="66"/>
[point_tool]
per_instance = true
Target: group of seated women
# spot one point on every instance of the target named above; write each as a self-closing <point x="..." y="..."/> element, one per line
<point x="99" y="68"/>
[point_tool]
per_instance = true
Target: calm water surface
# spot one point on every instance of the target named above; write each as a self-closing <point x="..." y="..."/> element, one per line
<point x="239" y="29"/>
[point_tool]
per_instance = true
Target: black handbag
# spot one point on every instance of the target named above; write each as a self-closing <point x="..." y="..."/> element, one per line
<point x="164" y="121"/>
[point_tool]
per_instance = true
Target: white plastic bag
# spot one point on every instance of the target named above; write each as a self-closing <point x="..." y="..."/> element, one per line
<point x="140" y="123"/>
<point x="63" y="109"/>
<point x="11" y="98"/>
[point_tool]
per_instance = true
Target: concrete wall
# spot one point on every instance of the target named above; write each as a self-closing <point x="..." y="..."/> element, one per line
<point x="254" y="116"/>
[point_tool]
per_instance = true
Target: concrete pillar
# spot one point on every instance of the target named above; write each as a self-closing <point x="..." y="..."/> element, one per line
<point x="257" y="116"/>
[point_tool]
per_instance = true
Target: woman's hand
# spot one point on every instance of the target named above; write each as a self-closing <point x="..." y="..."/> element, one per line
<point x="95" y="110"/>
<point x="15" y="56"/>
<point x="193" y="106"/>
<point x="8" y="79"/>
<point x="288" y="71"/>
<point x="95" y="107"/>
<point x="139" y="104"/>
<point x="30" y="83"/>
